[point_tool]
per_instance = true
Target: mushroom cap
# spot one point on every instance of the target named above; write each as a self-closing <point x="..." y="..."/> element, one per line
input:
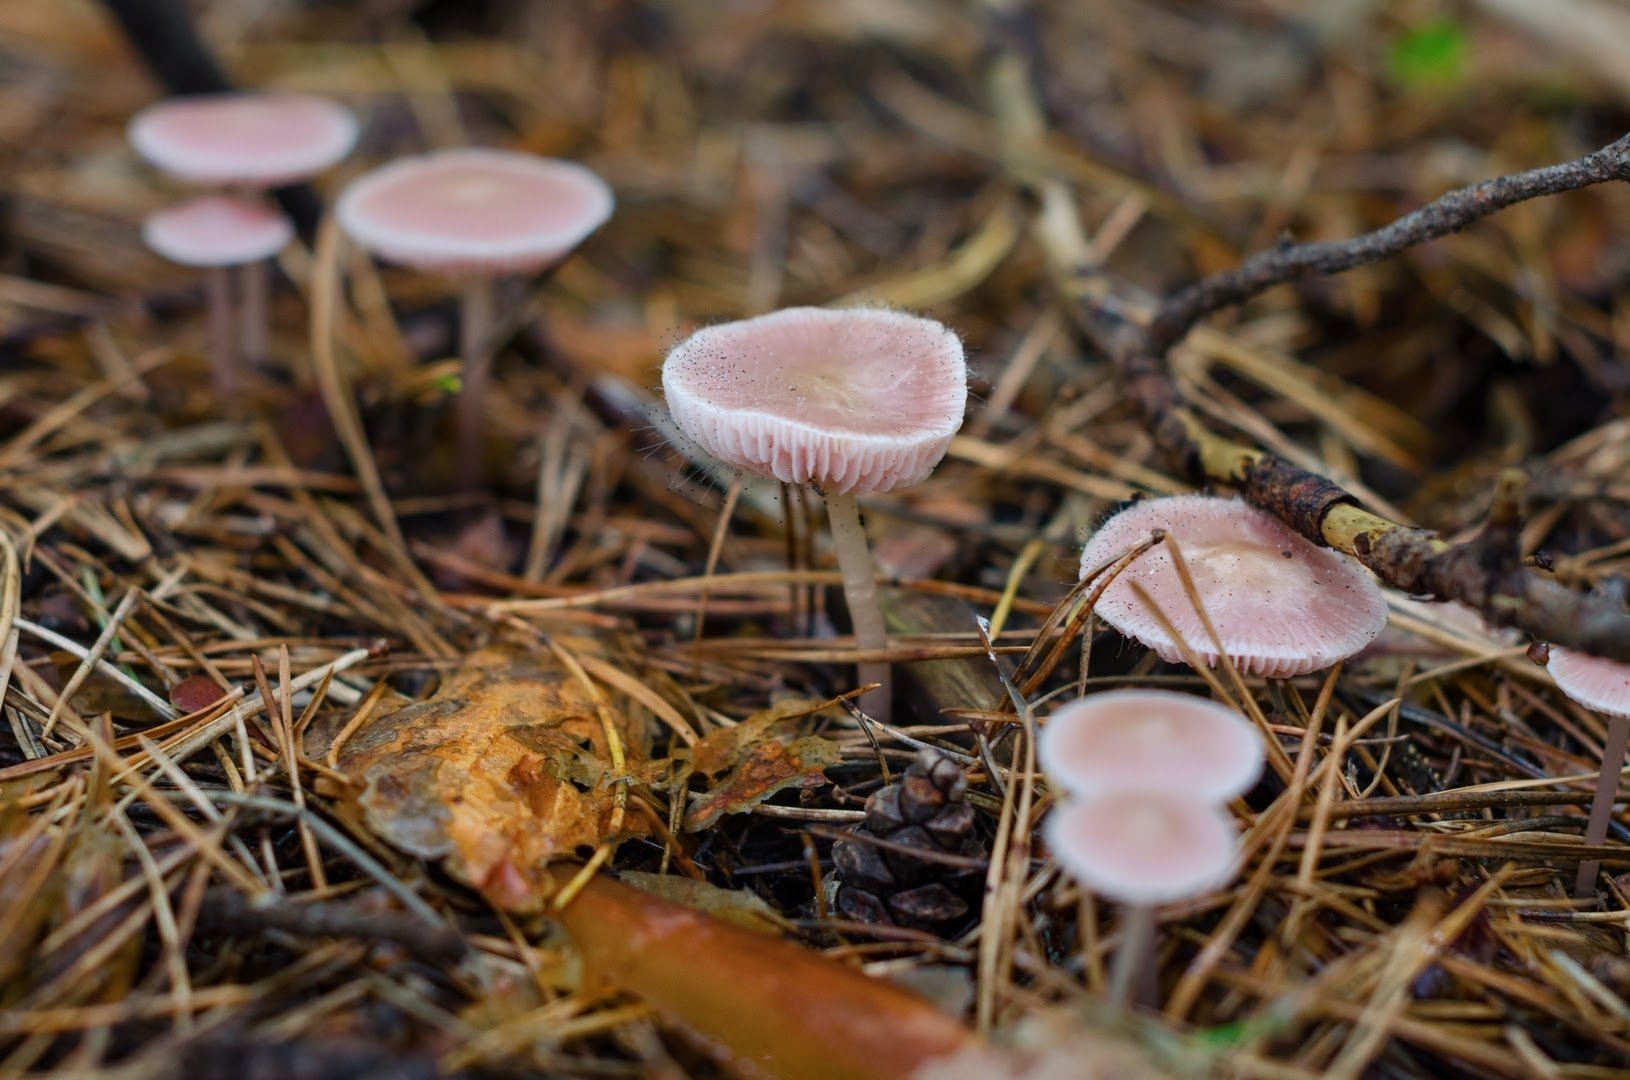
<point x="1151" y="740"/>
<point x="1603" y="685"/>
<point x="853" y="400"/>
<point x="1281" y="605"/>
<point x="1144" y="847"/>
<point x="258" y="139"/>
<point x="475" y="210"/>
<point x="217" y="230"/>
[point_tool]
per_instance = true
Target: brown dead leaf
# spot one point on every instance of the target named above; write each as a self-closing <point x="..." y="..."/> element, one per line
<point x="501" y="771"/>
<point x="100" y="692"/>
<point x="756" y="761"/>
<point x="195" y="693"/>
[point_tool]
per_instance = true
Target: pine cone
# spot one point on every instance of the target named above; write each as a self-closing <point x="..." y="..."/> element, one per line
<point x="921" y="811"/>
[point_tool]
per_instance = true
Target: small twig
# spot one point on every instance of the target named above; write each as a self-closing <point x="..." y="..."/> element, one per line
<point x="944" y="858"/>
<point x="809" y="813"/>
<point x="1444" y="802"/>
<point x="1449" y="213"/>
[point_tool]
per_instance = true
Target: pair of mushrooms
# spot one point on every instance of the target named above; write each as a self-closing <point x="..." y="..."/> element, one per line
<point x="474" y="214"/>
<point x="1147" y="773"/>
<point x="242" y="145"/>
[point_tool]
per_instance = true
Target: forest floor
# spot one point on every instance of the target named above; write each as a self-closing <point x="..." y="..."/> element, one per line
<point x="216" y="851"/>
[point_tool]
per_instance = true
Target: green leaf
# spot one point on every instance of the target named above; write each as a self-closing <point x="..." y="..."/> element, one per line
<point x="1431" y="54"/>
<point x="1223" y="1035"/>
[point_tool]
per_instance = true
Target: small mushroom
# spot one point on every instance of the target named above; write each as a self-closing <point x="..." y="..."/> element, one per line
<point x="218" y="232"/>
<point x="1142" y="849"/>
<point x="849" y="401"/>
<point x="257" y="140"/>
<point x="474" y="214"/>
<point x="1150" y="740"/>
<point x="1603" y="685"/>
<point x="247" y="142"/>
<point x="1281" y="606"/>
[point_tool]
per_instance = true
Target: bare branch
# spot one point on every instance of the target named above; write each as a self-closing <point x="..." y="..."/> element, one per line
<point x="1447" y="214"/>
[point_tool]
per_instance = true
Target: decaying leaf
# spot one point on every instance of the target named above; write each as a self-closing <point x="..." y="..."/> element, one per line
<point x="100" y="692"/>
<point x="195" y="693"/>
<point x="756" y="763"/>
<point x="502" y="770"/>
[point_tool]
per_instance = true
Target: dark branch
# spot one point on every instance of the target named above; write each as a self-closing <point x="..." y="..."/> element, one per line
<point x="1447" y="214"/>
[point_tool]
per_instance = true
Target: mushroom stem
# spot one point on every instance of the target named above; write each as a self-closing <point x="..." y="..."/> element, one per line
<point x="1601" y="804"/>
<point x="475" y="328"/>
<point x="1133" y="967"/>
<point x="222" y="364"/>
<point x="256" y="281"/>
<point x="860" y="592"/>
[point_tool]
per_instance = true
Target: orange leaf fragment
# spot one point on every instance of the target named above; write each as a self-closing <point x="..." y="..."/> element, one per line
<point x="765" y="1007"/>
<point x="195" y="693"/>
<point x="756" y="763"/>
<point x="504" y="769"/>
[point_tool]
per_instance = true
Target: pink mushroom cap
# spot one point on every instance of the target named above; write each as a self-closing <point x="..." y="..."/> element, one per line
<point x="255" y="139"/>
<point x="1144" y="847"/>
<point x="1281" y="605"/>
<point x="1151" y="740"/>
<point x="1603" y="685"/>
<point x="217" y="230"/>
<point x="474" y="211"/>
<point x="854" y="400"/>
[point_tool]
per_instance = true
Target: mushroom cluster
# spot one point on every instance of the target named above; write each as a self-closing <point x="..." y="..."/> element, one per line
<point x="240" y="145"/>
<point x="1146" y="774"/>
<point x="473" y="214"/>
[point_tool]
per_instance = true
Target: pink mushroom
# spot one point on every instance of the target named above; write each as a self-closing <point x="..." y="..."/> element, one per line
<point x="475" y="214"/>
<point x="1281" y="606"/>
<point x="247" y="141"/>
<point x="851" y="402"/>
<point x="257" y="140"/>
<point x="1150" y="740"/>
<point x="1603" y="685"/>
<point x="1142" y="849"/>
<point x="218" y="232"/>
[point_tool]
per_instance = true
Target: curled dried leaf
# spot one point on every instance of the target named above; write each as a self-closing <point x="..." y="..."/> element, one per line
<point x="756" y="762"/>
<point x="501" y="771"/>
